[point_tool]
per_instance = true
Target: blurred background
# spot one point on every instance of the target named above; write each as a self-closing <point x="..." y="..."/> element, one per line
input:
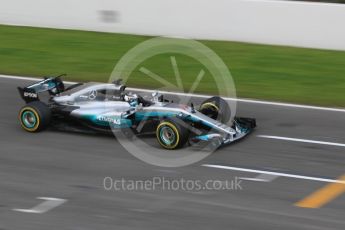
<point x="276" y="50"/>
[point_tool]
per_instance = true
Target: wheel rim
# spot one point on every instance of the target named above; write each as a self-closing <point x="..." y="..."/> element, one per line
<point x="29" y="119"/>
<point x="167" y="135"/>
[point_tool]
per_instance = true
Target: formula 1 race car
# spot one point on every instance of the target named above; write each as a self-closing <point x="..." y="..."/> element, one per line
<point x="107" y="107"/>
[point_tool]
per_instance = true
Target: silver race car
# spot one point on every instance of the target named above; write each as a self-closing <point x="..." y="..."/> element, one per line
<point x="109" y="107"/>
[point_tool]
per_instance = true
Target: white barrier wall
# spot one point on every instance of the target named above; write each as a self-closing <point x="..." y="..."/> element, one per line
<point x="302" y="24"/>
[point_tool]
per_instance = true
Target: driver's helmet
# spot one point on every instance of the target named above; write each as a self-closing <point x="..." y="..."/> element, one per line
<point x="132" y="99"/>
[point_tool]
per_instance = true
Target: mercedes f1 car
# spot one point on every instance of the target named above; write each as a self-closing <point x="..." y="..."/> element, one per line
<point x="107" y="107"/>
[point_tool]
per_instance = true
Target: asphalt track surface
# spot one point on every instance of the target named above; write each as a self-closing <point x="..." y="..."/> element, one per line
<point x="72" y="166"/>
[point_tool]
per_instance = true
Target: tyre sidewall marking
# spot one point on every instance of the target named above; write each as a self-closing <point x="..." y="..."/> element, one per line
<point x="210" y="104"/>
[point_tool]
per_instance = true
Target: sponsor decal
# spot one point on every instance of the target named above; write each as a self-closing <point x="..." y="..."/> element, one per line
<point x="28" y="94"/>
<point x="109" y="119"/>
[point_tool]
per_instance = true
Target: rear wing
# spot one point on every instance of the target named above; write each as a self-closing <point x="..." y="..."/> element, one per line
<point x="54" y="85"/>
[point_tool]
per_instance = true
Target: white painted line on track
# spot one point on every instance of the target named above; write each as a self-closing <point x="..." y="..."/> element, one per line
<point x="48" y="204"/>
<point x="261" y="178"/>
<point x="302" y="140"/>
<point x="253" y="101"/>
<point x="29" y="78"/>
<point x="275" y="173"/>
<point x="267" y="177"/>
<point x="252" y="179"/>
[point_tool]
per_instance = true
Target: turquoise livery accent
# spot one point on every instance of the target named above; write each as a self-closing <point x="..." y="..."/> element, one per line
<point x="167" y="135"/>
<point x="108" y="121"/>
<point x="139" y="116"/>
<point x="29" y="119"/>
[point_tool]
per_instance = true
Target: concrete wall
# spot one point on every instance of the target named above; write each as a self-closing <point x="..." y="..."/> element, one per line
<point x="315" y="25"/>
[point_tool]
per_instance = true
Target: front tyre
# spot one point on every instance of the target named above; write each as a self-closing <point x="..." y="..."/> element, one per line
<point x="34" y="116"/>
<point x="172" y="133"/>
<point x="216" y="108"/>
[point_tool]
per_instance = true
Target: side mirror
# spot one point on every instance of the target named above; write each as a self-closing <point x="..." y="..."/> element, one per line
<point x="192" y="107"/>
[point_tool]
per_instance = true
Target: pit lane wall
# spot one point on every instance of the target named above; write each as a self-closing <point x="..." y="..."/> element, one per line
<point x="303" y="24"/>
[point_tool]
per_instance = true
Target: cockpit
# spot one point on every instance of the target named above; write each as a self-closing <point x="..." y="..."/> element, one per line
<point x="100" y="92"/>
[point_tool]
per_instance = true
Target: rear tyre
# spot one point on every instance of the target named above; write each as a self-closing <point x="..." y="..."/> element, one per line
<point x="172" y="133"/>
<point x="34" y="116"/>
<point x="216" y="108"/>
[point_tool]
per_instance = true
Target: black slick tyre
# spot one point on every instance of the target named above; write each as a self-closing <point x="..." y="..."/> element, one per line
<point x="216" y="108"/>
<point x="172" y="133"/>
<point x="34" y="116"/>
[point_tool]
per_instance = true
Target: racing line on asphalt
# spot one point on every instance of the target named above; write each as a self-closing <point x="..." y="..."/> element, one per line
<point x="301" y="140"/>
<point x="279" y="174"/>
<point x="316" y="200"/>
<point x="48" y="204"/>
